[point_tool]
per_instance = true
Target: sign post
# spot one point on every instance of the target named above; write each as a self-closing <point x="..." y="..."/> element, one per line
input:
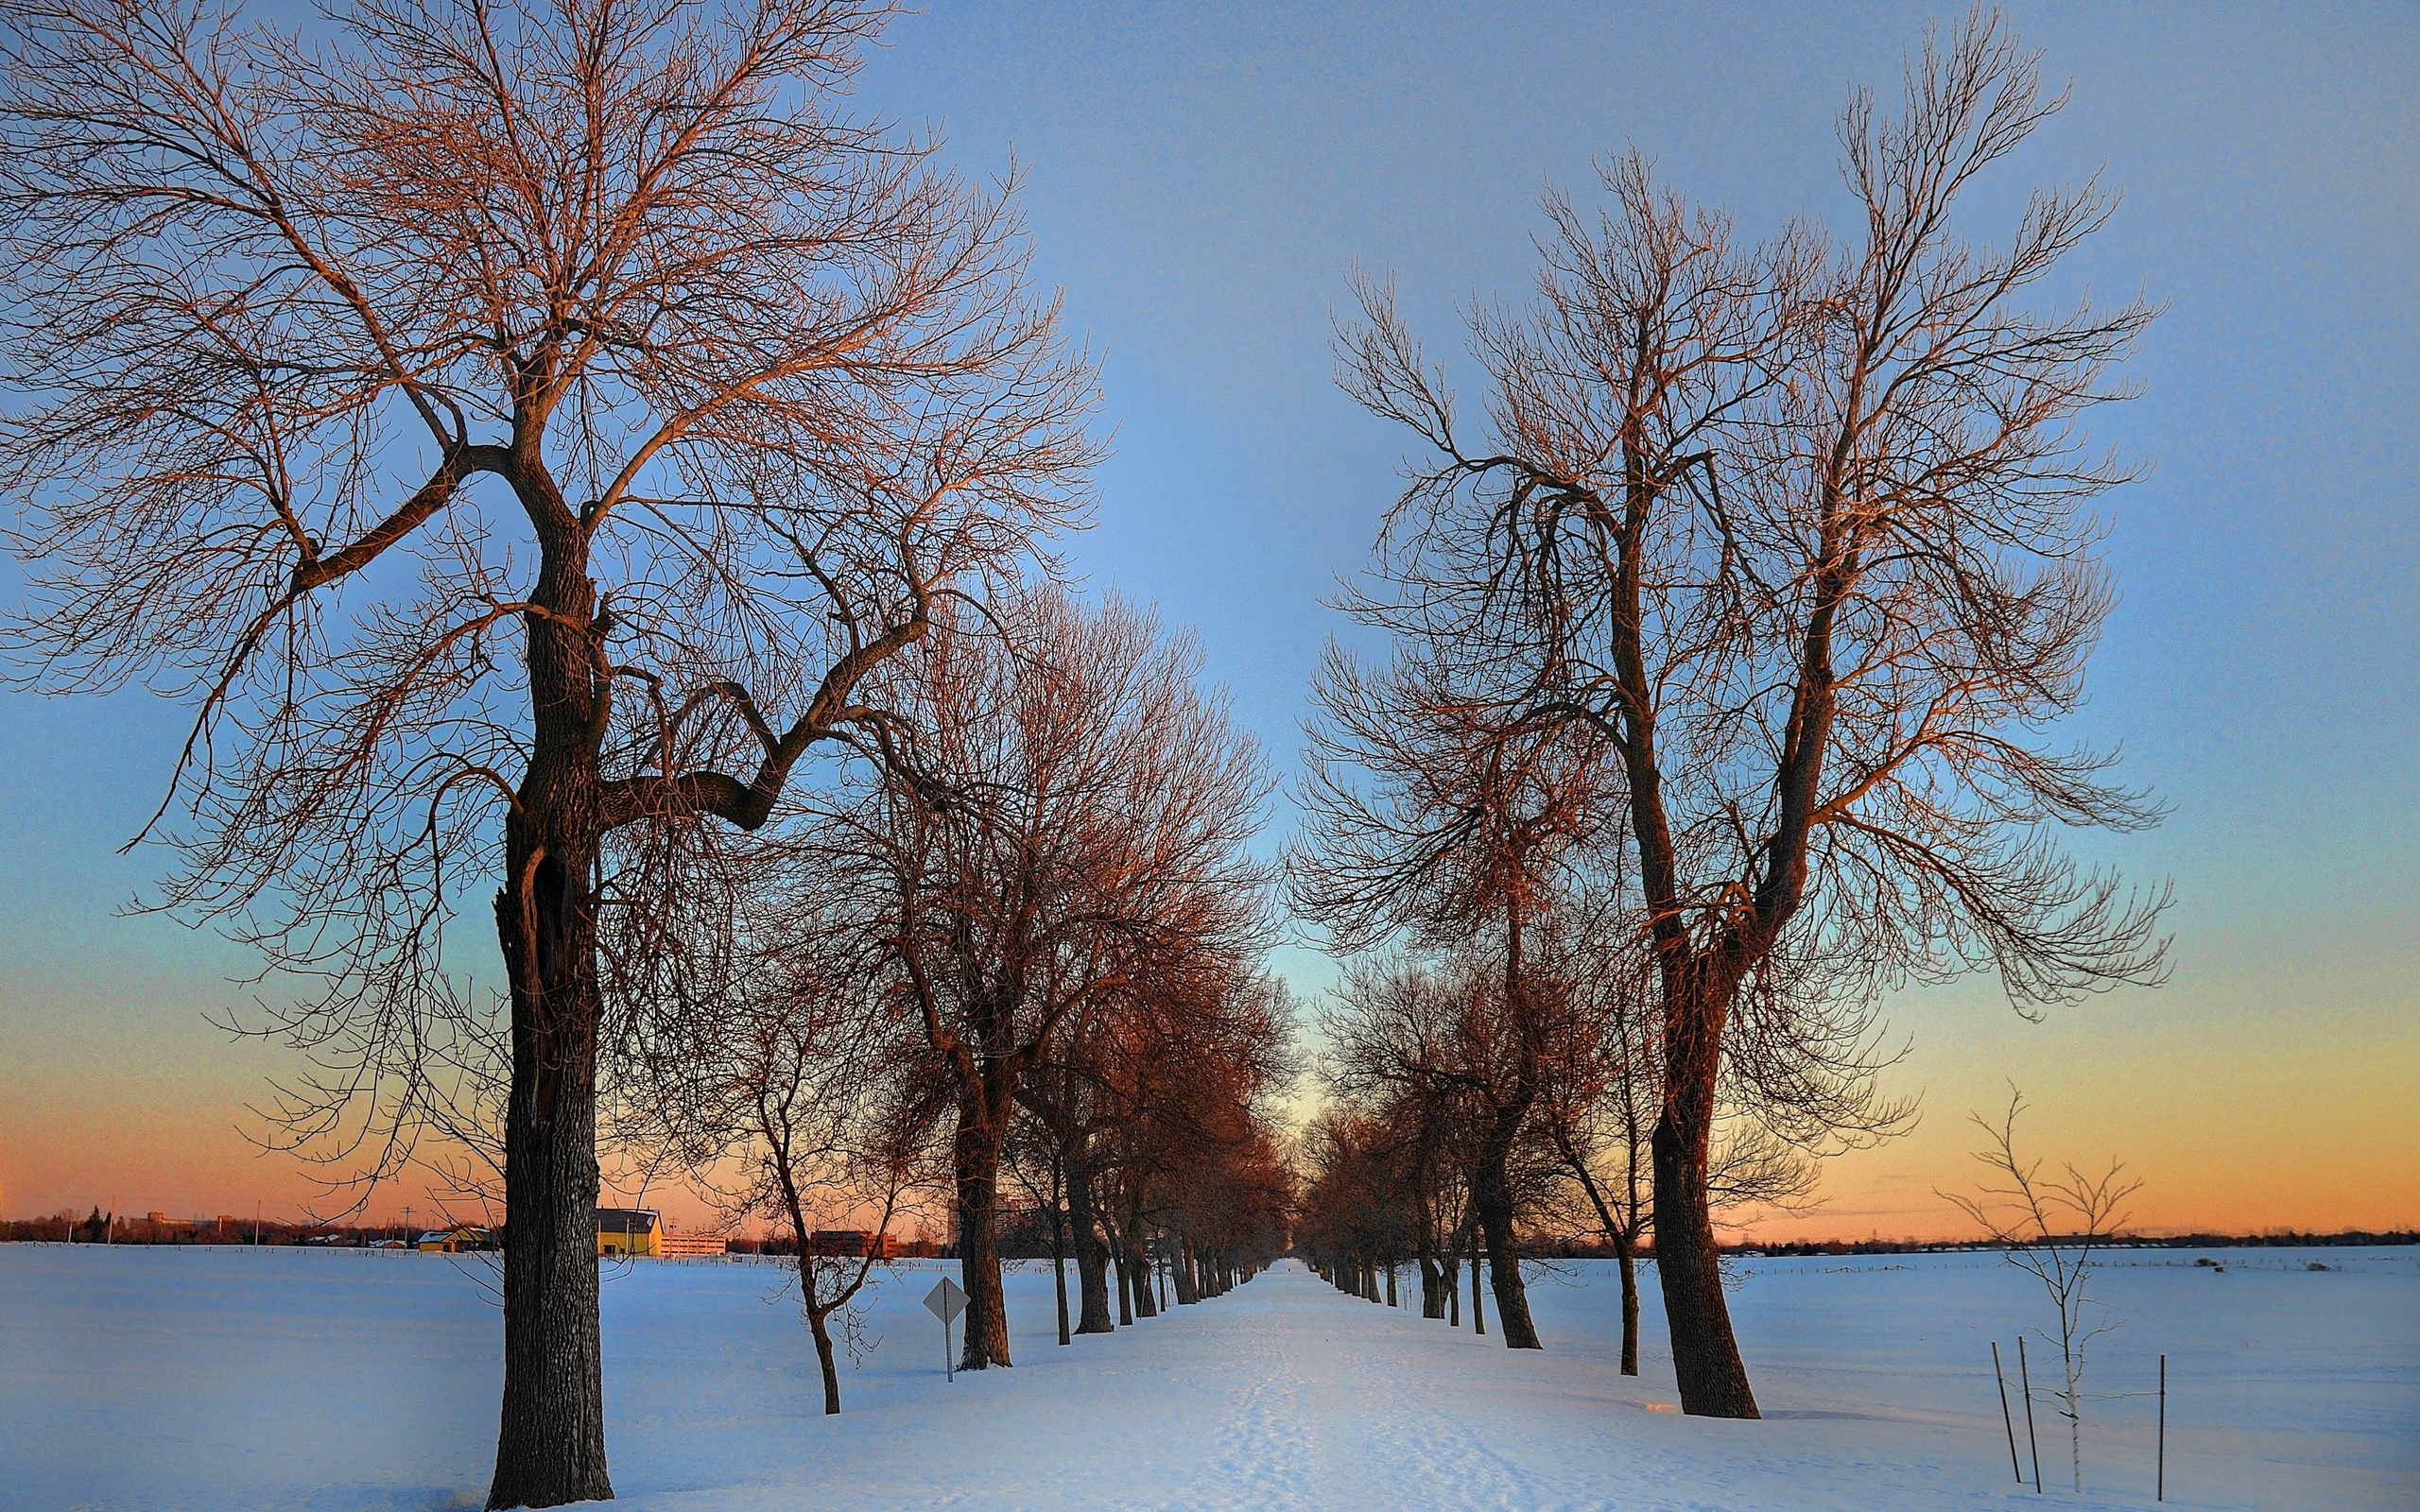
<point x="945" y="1301"/>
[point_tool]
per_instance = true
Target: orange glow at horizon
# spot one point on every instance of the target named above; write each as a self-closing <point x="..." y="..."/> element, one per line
<point x="2232" y="1135"/>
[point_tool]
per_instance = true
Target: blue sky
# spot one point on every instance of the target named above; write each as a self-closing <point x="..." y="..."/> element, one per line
<point x="1200" y="181"/>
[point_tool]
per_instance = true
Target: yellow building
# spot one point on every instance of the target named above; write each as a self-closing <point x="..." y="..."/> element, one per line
<point x="460" y="1239"/>
<point x="630" y="1232"/>
<point x="640" y="1232"/>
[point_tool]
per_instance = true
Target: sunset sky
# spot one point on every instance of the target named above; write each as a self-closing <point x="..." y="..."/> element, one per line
<point x="1201" y="183"/>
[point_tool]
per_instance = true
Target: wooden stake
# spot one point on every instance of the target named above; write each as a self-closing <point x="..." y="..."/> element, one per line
<point x="2006" y="1421"/>
<point x="2161" y="1494"/>
<point x="2025" y="1384"/>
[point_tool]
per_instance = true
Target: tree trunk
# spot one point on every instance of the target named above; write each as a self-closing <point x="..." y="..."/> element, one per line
<point x="1492" y="1200"/>
<point x="1626" y="1251"/>
<point x="982" y="1119"/>
<point x="1432" y="1299"/>
<point x="1125" y="1281"/>
<point x="1688" y="1263"/>
<point x="1391" y="1283"/>
<point x="1181" y="1266"/>
<point x="550" y="1444"/>
<point x="831" y="1368"/>
<point x="1091" y="1276"/>
<point x="1059" y="1261"/>
<point x="1479" y="1299"/>
<point x="1138" y="1258"/>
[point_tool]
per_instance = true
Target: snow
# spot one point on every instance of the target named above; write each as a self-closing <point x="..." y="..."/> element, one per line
<point x="234" y="1379"/>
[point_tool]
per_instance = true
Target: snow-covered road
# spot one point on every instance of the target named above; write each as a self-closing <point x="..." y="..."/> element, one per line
<point x="223" y="1380"/>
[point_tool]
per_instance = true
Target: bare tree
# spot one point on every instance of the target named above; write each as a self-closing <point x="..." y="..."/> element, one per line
<point x="782" y="1084"/>
<point x="1802" y="539"/>
<point x="516" y="430"/>
<point x="1437" y="1059"/>
<point x="1603" y="1093"/>
<point x="1073" y="819"/>
<point x="1428" y="821"/>
<point x="2049" y="1226"/>
<point x="1066" y="1097"/>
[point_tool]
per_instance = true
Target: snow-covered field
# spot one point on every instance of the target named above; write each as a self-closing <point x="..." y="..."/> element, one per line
<point x="234" y="1379"/>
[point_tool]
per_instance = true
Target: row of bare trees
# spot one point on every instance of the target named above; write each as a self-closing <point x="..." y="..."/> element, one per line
<point x="569" y="465"/>
<point x="1463" y="1121"/>
<point x="1018" y="943"/>
<point x="1725" y="652"/>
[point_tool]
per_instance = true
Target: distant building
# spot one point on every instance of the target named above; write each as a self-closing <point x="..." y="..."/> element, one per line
<point x="459" y="1240"/>
<point x="857" y="1242"/>
<point x="640" y="1232"/>
<point x="630" y="1232"/>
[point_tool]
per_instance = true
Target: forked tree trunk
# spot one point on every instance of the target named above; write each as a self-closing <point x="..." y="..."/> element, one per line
<point x="550" y="1442"/>
<point x="1138" y="1260"/>
<point x="814" y="1322"/>
<point x="1705" y="1357"/>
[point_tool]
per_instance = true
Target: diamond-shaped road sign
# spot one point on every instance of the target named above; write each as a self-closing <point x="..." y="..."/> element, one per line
<point x="945" y="1301"/>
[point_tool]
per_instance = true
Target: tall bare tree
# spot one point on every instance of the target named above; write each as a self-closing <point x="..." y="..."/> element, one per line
<point x="516" y="430"/>
<point x="1801" y="537"/>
